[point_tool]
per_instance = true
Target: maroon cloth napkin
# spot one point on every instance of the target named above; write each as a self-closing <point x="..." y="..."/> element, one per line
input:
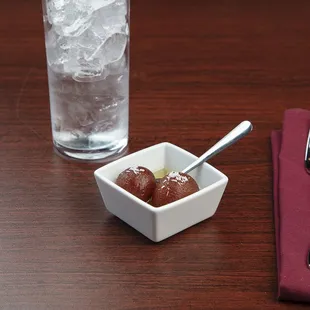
<point x="291" y="192"/>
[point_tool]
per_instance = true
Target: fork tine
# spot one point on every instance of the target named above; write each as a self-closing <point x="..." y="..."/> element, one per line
<point x="307" y="154"/>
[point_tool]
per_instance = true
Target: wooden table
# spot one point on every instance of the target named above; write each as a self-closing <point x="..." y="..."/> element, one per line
<point x="197" y="69"/>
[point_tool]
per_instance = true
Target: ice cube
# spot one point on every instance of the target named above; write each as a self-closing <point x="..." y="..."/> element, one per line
<point x="104" y="126"/>
<point x="55" y="10"/>
<point x="109" y="114"/>
<point x="59" y="51"/>
<point x="55" y="58"/>
<point x="51" y="39"/>
<point x="115" y="8"/>
<point x="106" y="23"/>
<point x="110" y="19"/>
<point x="87" y="71"/>
<point x="119" y="85"/>
<point x="118" y="8"/>
<point x="105" y="117"/>
<point x="70" y="17"/>
<point x="88" y="44"/>
<point x="117" y="67"/>
<point x="98" y="4"/>
<point x="113" y="48"/>
<point x="80" y="112"/>
<point x="99" y="30"/>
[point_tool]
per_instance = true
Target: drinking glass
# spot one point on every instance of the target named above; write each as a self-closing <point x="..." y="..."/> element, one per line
<point x="87" y="53"/>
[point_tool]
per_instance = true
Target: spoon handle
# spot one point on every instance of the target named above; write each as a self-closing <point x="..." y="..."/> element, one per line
<point x="233" y="136"/>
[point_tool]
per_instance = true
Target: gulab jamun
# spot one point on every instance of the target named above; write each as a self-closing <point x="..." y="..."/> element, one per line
<point x="174" y="186"/>
<point x="139" y="181"/>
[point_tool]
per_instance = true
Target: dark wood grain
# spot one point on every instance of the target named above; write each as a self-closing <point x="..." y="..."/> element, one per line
<point x="197" y="69"/>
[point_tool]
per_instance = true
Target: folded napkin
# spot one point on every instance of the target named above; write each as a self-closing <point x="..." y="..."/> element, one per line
<point x="291" y="192"/>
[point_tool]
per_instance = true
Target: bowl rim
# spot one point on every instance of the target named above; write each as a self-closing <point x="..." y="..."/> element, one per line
<point x="98" y="175"/>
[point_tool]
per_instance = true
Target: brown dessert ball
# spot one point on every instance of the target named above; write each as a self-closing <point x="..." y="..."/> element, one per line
<point x="172" y="187"/>
<point x="138" y="181"/>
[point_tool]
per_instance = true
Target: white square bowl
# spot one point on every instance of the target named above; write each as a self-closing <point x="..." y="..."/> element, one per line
<point x="160" y="223"/>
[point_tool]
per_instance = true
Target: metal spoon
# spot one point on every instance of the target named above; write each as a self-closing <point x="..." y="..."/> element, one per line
<point x="233" y="136"/>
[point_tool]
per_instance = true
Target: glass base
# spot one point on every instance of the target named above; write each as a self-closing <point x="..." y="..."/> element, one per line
<point x="99" y="155"/>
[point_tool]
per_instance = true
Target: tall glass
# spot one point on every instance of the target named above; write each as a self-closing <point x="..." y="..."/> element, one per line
<point x="87" y="51"/>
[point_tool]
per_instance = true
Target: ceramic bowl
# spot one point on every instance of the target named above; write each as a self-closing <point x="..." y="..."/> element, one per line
<point x="160" y="223"/>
